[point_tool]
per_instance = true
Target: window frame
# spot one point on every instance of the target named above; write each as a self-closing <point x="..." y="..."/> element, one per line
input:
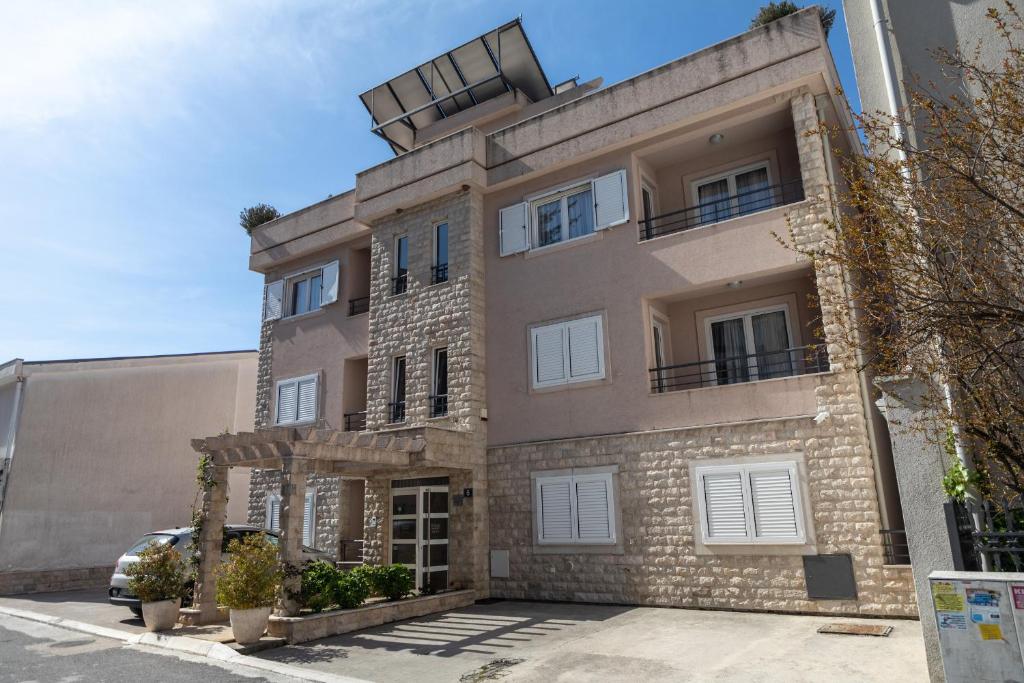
<point x="751" y="538"/>
<point x="572" y="476"/>
<point x="660" y="333"/>
<point x="404" y="358"/>
<point x="566" y="352"/>
<point x="560" y="195"/>
<point x="290" y="284"/>
<point x="748" y="335"/>
<point x="296" y="381"/>
<point x="395" y="269"/>
<point x="730" y="177"/>
<point x="435" y="259"/>
<point x="648" y="187"/>
<point x="268" y="504"/>
<point x="434" y="367"/>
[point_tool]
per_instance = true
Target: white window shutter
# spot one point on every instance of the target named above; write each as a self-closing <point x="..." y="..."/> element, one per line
<point x="774" y="503"/>
<point x="611" y="200"/>
<point x="273" y="300"/>
<point x="594" y="508"/>
<point x="549" y="355"/>
<point x="513" y="229"/>
<point x="586" y="348"/>
<point x="287" y="400"/>
<point x="307" y="400"/>
<point x="555" y="514"/>
<point x="273" y="522"/>
<point x="309" y="518"/>
<point x="724" y="509"/>
<point x="329" y="284"/>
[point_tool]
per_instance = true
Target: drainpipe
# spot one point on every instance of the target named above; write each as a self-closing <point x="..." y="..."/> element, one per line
<point x="12" y="427"/>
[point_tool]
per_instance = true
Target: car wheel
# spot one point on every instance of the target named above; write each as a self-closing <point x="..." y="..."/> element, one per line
<point x="137" y="611"/>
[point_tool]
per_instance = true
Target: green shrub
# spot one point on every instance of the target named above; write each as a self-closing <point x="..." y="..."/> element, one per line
<point x="393" y="582"/>
<point x="351" y="590"/>
<point x="158" y="575"/>
<point x="251" y="577"/>
<point x="319" y="585"/>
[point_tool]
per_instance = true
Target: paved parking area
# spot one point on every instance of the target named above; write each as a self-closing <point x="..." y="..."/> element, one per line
<point x="90" y="606"/>
<point x="523" y="641"/>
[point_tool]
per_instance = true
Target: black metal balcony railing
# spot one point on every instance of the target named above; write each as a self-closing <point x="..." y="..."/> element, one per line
<point x="739" y="204"/>
<point x="355" y="422"/>
<point x="439" y="405"/>
<point x="894" y="541"/>
<point x="801" y="360"/>
<point x="360" y="305"/>
<point x="439" y="273"/>
<point x="396" y="411"/>
<point x="400" y="283"/>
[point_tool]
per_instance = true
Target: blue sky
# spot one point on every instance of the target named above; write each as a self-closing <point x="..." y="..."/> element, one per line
<point x="131" y="134"/>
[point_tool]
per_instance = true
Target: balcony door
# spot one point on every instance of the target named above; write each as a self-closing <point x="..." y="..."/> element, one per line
<point x="419" y="534"/>
<point x="749" y="346"/>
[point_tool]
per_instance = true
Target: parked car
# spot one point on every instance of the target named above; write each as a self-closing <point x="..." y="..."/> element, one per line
<point x="180" y="539"/>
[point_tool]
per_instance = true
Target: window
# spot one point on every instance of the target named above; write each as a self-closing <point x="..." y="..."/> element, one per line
<point x="400" y="281"/>
<point x="574" y="509"/>
<point x="736" y="193"/>
<point x="649" y="204"/>
<point x="296" y="400"/>
<point x="750" y="346"/>
<point x="565" y="214"/>
<point x="567" y="352"/>
<point x="273" y="519"/>
<point x="660" y="359"/>
<point x="301" y="293"/>
<point x="439" y="394"/>
<point x="396" y="409"/>
<point x="758" y="503"/>
<point x="439" y="272"/>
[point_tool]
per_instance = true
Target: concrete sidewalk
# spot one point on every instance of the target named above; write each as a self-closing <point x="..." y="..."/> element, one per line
<point x="523" y="641"/>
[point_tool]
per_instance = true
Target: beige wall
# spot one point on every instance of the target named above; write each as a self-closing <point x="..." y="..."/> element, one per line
<point x="615" y="274"/>
<point x="103" y="453"/>
<point x="320" y="342"/>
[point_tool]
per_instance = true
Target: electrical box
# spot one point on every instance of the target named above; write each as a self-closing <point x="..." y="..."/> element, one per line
<point x="980" y="620"/>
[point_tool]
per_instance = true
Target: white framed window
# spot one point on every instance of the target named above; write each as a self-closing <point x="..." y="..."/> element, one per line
<point x="567" y="352"/>
<point x="273" y="518"/>
<point x="750" y="345"/>
<point x="574" y="509"/>
<point x="734" y="193"/>
<point x="660" y="349"/>
<point x="296" y="400"/>
<point x="564" y="214"/>
<point x="301" y="292"/>
<point x="439" y="272"/>
<point x="439" y="383"/>
<point x="396" y="408"/>
<point x="648" y="199"/>
<point x="749" y="504"/>
<point x="400" y="278"/>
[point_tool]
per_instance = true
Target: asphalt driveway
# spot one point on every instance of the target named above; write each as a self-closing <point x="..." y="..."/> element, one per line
<point x="524" y="641"/>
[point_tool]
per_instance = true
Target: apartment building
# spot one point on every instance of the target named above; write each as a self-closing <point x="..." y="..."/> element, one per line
<point x="554" y="349"/>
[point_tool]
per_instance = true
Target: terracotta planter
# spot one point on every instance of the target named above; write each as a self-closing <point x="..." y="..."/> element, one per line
<point x="249" y="624"/>
<point x="162" y="615"/>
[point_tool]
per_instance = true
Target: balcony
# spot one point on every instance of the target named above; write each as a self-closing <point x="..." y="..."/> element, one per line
<point x="396" y="412"/>
<point x="359" y="306"/>
<point x="803" y="360"/>
<point x="355" y="422"/>
<point x="722" y="208"/>
<point x="439" y="405"/>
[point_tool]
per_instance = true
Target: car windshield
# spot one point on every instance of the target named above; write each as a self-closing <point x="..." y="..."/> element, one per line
<point x="141" y="544"/>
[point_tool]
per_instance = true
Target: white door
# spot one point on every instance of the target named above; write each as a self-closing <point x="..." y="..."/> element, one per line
<point x="419" y="534"/>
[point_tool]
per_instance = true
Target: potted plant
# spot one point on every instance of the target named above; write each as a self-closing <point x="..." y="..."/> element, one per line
<point x="247" y="584"/>
<point x="159" y="581"/>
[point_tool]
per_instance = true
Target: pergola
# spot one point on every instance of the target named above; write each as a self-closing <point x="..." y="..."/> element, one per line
<point x="297" y="452"/>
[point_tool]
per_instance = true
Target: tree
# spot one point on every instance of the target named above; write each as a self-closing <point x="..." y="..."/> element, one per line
<point x="776" y="10"/>
<point x="255" y="216"/>
<point x="934" y="254"/>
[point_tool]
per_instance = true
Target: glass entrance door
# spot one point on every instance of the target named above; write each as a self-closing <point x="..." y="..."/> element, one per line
<point x="419" y="534"/>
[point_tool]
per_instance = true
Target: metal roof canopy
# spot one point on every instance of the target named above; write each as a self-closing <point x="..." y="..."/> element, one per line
<point x="487" y="66"/>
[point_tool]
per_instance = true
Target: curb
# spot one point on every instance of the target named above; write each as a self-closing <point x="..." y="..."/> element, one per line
<point x="183" y="644"/>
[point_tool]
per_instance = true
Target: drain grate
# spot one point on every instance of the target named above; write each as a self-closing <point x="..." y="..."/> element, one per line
<point x="880" y="630"/>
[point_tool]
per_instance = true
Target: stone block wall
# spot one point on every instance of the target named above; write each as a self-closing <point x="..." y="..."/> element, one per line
<point x="428" y="316"/>
<point x="328" y="507"/>
<point x="659" y="563"/>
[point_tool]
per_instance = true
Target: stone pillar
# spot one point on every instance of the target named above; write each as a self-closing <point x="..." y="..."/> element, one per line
<point x="293" y="497"/>
<point x="376" y="524"/>
<point x="214" y="514"/>
<point x="920" y="465"/>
